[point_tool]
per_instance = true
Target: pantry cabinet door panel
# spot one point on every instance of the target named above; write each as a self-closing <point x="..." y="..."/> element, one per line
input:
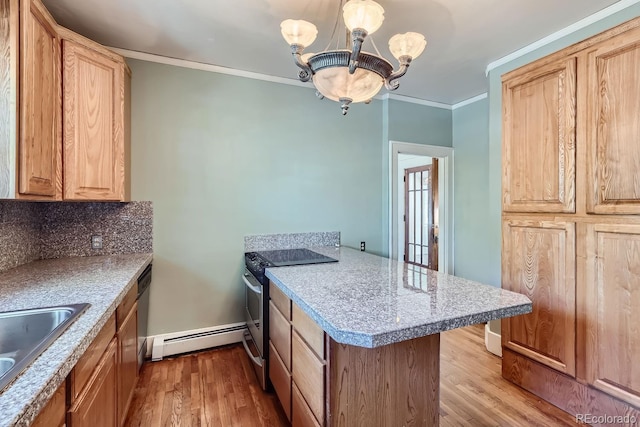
<point x="613" y="128"/>
<point x="539" y="130"/>
<point x="539" y="262"/>
<point x="613" y="314"/>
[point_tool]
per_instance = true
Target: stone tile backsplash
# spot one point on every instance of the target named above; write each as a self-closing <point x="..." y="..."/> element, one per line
<point x="19" y="233"/>
<point x="265" y="242"/>
<point x="42" y="230"/>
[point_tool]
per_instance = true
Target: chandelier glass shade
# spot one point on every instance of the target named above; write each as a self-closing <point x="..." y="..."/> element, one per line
<point x="351" y="76"/>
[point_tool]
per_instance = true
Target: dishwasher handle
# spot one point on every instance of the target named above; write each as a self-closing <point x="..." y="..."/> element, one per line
<point x="144" y="280"/>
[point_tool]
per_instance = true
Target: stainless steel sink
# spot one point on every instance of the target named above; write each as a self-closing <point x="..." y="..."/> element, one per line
<point x="6" y="363"/>
<point x="25" y="334"/>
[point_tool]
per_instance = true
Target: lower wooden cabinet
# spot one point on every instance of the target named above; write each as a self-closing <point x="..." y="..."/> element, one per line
<point x="96" y="406"/>
<point x="302" y="414"/>
<point x="613" y="296"/>
<point x="281" y="379"/>
<point x="127" y="362"/>
<point x="539" y="262"/>
<point x="54" y="414"/>
<point x="296" y="355"/>
<point x="308" y="375"/>
<point x="99" y="389"/>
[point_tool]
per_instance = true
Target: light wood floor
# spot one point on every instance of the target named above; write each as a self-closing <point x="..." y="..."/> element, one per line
<point x="219" y="388"/>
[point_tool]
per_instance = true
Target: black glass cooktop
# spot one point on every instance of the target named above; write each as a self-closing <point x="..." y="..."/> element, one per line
<point x="284" y="257"/>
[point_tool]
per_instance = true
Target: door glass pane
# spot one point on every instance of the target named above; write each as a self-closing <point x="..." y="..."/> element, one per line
<point x="418" y="217"/>
<point x="410" y="180"/>
<point x="410" y="256"/>
<point x="410" y="217"/>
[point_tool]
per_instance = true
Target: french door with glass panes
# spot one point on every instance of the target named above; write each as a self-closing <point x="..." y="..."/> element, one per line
<point x="421" y="215"/>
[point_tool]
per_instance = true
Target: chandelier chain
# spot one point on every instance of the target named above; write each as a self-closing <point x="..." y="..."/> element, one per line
<point x="335" y="26"/>
<point x="374" y="46"/>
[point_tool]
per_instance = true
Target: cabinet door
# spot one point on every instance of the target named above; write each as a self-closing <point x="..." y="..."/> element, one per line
<point x="539" y="139"/>
<point x="127" y="362"/>
<point x="613" y="310"/>
<point x="39" y="148"/>
<point x="53" y="415"/>
<point x="93" y="126"/>
<point x="96" y="406"/>
<point x="613" y="130"/>
<point x="538" y="260"/>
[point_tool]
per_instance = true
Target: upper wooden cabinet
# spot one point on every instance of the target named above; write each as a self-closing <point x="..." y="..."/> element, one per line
<point x="47" y="152"/>
<point x="613" y="130"/>
<point x="95" y="89"/>
<point x="39" y="141"/>
<point x="539" y="129"/>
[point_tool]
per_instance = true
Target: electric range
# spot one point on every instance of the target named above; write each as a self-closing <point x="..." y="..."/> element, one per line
<point x="257" y="299"/>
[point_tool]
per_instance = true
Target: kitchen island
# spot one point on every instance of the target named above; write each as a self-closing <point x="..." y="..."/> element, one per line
<point x="379" y="363"/>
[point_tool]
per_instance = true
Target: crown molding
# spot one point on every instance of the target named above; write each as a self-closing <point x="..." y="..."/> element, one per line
<point x="591" y="19"/>
<point x="143" y="56"/>
<point x="470" y="101"/>
<point x="411" y="100"/>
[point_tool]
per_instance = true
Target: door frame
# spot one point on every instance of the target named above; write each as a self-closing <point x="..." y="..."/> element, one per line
<point x="445" y="157"/>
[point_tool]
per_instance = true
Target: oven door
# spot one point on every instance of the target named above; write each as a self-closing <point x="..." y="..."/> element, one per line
<point x="253" y="339"/>
<point x="254" y="313"/>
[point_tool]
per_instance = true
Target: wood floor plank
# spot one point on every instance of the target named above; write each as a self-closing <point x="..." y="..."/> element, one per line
<point x="219" y="388"/>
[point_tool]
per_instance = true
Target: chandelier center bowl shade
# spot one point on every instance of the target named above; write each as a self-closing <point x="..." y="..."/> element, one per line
<point x="351" y="76"/>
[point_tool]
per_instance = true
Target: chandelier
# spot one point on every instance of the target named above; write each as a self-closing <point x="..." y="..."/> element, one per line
<point x="351" y="76"/>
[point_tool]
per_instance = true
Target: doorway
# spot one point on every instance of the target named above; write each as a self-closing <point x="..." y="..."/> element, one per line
<point x="420" y="213"/>
<point x="440" y="228"/>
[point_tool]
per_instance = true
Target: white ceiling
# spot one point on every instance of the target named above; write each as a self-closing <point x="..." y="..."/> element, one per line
<point x="463" y="36"/>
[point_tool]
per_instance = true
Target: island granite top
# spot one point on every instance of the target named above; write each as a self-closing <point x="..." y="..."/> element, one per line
<point x="370" y="301"/>
<point x="102" y="281"/>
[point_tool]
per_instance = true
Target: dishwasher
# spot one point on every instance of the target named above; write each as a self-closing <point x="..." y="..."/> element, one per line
<point x="144" y="285"/>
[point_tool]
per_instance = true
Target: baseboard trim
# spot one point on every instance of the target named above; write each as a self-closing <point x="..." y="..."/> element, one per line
<point x="159" y="346"/>
<point x="492" y="341"/>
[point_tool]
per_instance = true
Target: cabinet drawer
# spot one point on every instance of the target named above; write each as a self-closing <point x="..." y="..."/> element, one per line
<point x="301" y="413"/>
<point x="125" y="306"/>
<point x="281" y="379"/>
<point x="53" y="415"/>
<point x="308" y="376"/>
<point x="309" y="331"/>
<point x="89" y="360"/>
<point x="280" y="334"/>
<point x="280" y="300"/>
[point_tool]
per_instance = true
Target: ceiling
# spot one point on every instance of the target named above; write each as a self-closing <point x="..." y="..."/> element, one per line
<point x="463" y="36"/>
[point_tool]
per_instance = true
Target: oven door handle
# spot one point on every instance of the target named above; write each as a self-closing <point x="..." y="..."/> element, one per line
<point x="255" y="359"/>
<point x="254" y="288"/>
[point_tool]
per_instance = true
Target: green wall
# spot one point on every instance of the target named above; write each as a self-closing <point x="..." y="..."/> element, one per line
<point x="470" y="197"/>
<point x="414" y="123"/>
<point x="495" y="126"/>
<point x="222" y="157"/>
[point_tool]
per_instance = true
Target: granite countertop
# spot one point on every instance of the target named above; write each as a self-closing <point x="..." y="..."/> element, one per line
<point x="101" y="281"/>
<point x="369" y="301"/>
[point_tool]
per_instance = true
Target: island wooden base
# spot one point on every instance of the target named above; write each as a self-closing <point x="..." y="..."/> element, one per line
<point x="393" y="385"/>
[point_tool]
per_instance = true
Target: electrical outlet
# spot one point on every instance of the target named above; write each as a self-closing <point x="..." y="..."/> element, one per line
<point x="96" y="241"/>
<point x="362" y="246"/>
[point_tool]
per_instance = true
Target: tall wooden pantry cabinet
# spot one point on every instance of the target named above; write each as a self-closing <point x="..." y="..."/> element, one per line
<point x="571" y="224"/>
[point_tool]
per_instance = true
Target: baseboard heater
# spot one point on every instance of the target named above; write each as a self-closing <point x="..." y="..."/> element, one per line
<point x="195" y="340"/>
